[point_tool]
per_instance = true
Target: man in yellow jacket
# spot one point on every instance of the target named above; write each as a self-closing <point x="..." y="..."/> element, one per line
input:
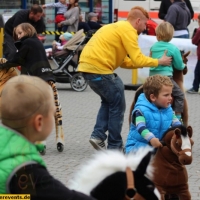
<point x="112" y="46"/>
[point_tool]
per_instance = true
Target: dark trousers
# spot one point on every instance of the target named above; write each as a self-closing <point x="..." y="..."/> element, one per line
<point x="196" y="81"/>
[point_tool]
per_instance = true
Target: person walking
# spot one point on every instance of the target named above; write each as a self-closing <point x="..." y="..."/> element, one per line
<point x="165" y="4"/>
<point x="178" y="15"/>
<point x="32" y="16"/>
<point x="114" y="45"/>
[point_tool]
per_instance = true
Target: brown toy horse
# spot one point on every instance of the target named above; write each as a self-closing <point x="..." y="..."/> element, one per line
<point x="170" y="175"/>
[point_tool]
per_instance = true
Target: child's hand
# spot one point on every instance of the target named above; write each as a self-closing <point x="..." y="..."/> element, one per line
<point x="2" y="60"/>
<point x="155" y="142"/>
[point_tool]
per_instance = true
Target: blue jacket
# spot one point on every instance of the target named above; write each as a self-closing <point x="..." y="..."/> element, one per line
<point x="157" y="122"/>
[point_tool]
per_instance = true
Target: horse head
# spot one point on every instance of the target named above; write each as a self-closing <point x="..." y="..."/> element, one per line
<point x="179" y="140"/>
<point x="110" y="175"/>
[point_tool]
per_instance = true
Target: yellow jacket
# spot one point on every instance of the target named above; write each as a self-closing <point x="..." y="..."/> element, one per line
<point x="108" y="49"/>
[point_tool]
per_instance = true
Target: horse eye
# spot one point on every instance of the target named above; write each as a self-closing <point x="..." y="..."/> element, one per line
<point x="151" y="187"/>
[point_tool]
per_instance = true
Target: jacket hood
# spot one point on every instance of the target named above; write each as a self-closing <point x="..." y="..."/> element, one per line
<point x="180" y="3"/>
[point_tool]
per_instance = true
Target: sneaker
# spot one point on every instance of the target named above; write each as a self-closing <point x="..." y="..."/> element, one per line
<point x="192" y="91"/>
<point x="97" y="144"/>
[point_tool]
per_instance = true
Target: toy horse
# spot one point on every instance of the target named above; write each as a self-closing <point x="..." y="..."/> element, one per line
<point x="111" y="175"/>
<point x="170" y="175"/>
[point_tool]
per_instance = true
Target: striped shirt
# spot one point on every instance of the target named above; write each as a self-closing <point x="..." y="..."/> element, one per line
<point x="62" y="8"/>
<point x="140" y="123"/>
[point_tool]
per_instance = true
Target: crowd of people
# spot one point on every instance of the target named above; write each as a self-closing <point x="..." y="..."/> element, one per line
<point x="112" y="45"/>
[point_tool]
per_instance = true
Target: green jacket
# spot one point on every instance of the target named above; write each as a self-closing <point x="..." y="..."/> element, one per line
<point x="15" y="151"/>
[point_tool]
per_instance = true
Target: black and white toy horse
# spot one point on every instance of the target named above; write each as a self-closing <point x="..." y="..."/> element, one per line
<point x="111" y="175"/>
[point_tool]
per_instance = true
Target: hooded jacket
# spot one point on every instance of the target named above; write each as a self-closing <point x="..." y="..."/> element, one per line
<point x="178" y="15"/>
<point x="31" y="56"/>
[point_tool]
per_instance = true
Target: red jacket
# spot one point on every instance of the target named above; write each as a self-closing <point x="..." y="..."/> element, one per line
<point x="196" y="41"/>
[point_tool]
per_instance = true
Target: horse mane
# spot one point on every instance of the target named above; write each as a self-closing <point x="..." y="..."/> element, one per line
<point x="181" y="127"/>
<point x="105" y="163"/>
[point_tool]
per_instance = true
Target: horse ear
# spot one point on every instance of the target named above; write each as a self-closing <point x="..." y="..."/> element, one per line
<point x="190" y="131"/>
<point x="142" y="167"/>
<point x="177" y="132"/>
<point x="186" y="54"/>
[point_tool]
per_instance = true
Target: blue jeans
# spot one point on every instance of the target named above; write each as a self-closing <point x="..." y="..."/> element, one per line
<point x="186" y="36"/>
<point x="110" y="117"/>
<point x="196" y="81"/>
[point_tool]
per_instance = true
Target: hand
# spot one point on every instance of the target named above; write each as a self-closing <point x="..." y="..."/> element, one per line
<point x="59" y="24"/>
<point x="155" y="142"/>
<point x="43" y="6"/>
<point x="185" y="70"/>
<point x="2" y="60"/>
<point x="165" y="60"/>
<point x="54" y="42"/>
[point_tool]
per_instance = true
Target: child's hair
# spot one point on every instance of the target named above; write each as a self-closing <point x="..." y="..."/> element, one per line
<point x="165" y="31"/>
<point x="153" y="85"/>
<point x="22" y="98"/>
<point x="28" y="29"/>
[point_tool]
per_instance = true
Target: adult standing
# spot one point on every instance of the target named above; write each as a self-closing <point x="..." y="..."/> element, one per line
<point x="72" y="16"/>
<point x="32" y="16"/>
<point x="165" y="4"/>
<point x="179" y="16"/>
<point x="107" y="50"/>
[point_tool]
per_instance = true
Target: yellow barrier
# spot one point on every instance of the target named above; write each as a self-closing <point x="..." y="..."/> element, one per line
<point x="1" y="42"/>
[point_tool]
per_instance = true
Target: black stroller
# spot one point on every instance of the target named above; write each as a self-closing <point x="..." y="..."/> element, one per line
<point x="66" y="65"/>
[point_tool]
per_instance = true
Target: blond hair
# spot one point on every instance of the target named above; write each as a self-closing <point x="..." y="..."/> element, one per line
<point x="28" y="29"/>
<point x="154" y="84"/>
<point x="22" y="98"/>
<point x="137" y="12"/>
<point x="165" y="31"/>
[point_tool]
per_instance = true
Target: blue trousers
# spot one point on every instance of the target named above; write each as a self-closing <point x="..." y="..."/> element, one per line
<point x="110" y="117"/>
<point x="196" y="81"/>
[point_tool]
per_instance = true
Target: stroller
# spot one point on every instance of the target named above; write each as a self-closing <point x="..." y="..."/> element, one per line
<point x="66" y="61"/>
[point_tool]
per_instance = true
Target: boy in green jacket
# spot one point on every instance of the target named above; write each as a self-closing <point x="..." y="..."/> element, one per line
<point x="27" y="111"/>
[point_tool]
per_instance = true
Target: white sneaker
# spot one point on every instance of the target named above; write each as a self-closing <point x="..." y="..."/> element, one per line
<point x="97" y="144"/>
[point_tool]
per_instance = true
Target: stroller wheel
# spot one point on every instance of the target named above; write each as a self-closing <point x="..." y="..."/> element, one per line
<point x="60" y="147"/>
<point x="78" y="82"/>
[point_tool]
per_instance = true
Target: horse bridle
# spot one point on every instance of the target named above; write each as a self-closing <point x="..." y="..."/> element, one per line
<point x="131" y="190"/>
<point x="178" y="153"/>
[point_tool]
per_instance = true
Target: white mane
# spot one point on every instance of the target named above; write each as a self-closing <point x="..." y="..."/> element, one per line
<point x="103" y="164"/>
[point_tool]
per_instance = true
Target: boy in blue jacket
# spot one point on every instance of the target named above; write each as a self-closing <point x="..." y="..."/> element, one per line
<point x="152" y="114"/>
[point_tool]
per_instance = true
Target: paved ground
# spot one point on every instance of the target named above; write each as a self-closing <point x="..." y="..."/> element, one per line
<point x="79" y="114"/>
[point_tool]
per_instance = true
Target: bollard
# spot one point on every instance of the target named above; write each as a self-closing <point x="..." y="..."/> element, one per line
<point x="1" y="42"/>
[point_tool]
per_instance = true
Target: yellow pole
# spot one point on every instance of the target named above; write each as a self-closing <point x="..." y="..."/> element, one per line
<point x="134" y="76"/>
<point x="1" y="42"/>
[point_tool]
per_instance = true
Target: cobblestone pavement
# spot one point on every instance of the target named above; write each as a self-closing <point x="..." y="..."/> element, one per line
<point x="79" y="115"/>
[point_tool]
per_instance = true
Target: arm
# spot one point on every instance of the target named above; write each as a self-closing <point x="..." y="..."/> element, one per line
<point x="175" y="120"/>
<point x="36" y="181"/>
<point x="171" y="16"/>
<point x="140" y="123"/>
<point x="162" y="10"/>
<point x="196" y="37"/>
<point x="177" y="60"/>
<point x="188" y="3"/>
<point x="52" y="5"/>
<point x="73" y="17"/>
<point x="130" y="43"/>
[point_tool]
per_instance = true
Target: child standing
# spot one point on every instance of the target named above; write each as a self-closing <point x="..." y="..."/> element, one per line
<point x="27" y="116"/>
<point x="196" y="41"/>
<point x="164" y="34"/>
<point x="152" y="114"/>
<point x="31" y="56"/>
